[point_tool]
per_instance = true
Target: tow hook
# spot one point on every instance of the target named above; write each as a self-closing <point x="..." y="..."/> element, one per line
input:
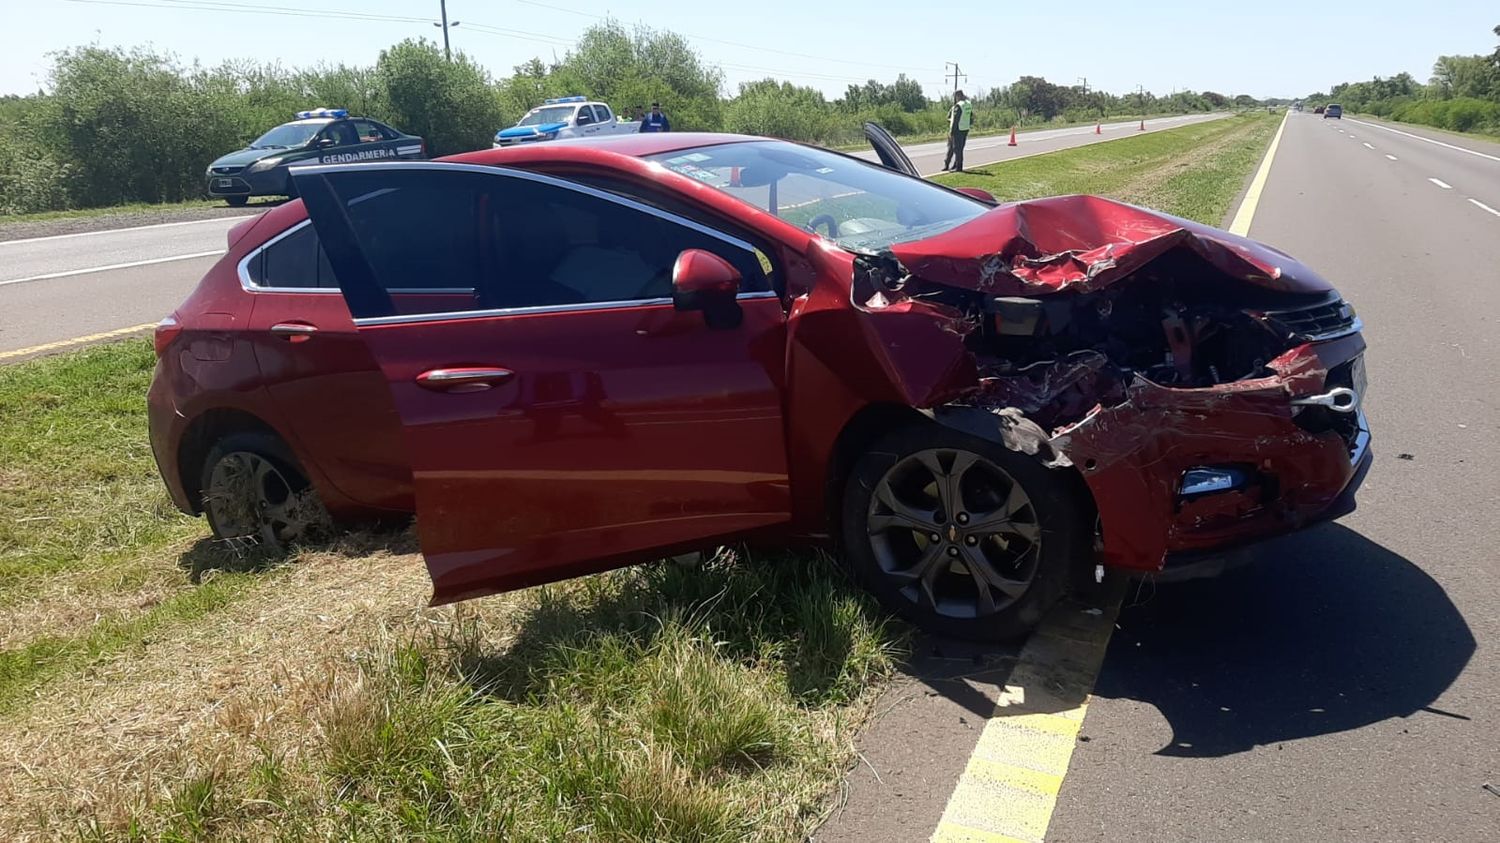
<point x="1340" y="399"/>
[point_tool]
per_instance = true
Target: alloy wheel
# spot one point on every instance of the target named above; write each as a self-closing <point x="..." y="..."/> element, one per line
<point x="956" y="532"/>
<point x="248" y="497"/>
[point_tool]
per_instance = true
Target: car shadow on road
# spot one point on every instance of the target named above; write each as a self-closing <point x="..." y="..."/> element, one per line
<point x="1326" y="631"/>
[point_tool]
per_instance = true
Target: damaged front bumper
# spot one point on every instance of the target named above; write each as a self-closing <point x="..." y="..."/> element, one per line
<point x="1293" y="466"/>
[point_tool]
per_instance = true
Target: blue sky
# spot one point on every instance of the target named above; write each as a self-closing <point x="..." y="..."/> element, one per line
<point x="1276" y="48"/>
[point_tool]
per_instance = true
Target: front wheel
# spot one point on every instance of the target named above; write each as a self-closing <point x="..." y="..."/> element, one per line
<point x="254" y="492"/>
<point x="959" y="535"/>
<point x="236" y="201"/>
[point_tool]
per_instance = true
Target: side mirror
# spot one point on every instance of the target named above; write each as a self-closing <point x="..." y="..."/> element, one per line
<point x="324" y="143"/>
<point x="706" y="282"/>
<point x="980" y="194"/>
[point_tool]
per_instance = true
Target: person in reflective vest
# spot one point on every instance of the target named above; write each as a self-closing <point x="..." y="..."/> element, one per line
<point x="960" y="118"/>
<point x="655" y="121"/>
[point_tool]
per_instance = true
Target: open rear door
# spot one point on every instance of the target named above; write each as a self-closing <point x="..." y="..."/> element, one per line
<point x="891" y="154"/>
<point x="560" y="415"/>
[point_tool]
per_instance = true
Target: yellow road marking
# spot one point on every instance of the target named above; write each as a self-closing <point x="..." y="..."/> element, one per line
<point x="1246" y="213"/>
<point x="1008" y="790"/>
<point x="61" y="344"/>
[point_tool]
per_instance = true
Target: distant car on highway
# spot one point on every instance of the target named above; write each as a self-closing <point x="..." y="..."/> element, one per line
<point x="1318" y="109"/>
<point x="1333" y="110"/>
<point x="564" y="117"/>
<point x="317" y="136"/>
<point x="567" y="357"/>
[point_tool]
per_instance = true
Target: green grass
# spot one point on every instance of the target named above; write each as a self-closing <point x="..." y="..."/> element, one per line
<point x="78" y="484"/>
<point x="1194" y="171"/>
<point x="932" y="137"/>
<point x="658" y="703"/>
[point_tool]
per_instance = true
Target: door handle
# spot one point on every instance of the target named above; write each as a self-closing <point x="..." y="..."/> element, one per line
<point x="294" y="331"/>
<point x="463" y="378"/>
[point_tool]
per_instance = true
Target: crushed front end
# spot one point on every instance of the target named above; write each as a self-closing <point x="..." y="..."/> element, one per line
<point x="1206" y="388"/>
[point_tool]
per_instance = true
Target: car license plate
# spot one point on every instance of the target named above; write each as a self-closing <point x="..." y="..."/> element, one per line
<point x="223" y="182"/>
<point x="1361" y="383"/>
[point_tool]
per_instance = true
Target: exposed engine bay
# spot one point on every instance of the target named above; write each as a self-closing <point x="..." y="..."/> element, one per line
<point x="1054" y="357"/>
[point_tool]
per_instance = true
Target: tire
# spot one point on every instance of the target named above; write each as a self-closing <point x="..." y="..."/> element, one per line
<point x="254" y="492"/>
<point x="1027" y="535"/>
<point x="236" y="201"/>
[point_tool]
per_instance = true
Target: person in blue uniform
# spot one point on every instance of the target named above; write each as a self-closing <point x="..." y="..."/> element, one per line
<point x="655" y="121"/>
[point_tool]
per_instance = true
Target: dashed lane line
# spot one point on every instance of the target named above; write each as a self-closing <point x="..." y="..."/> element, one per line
<point x="75" y="341"/>
<point x="1366" y="145"/>
<point x="1392" y="157"/>
<point x="1008" y="790"/>
<point x="1429" y="140"/>
<point x="1246" y="212"/>
<point x="1483" y="207"/>
<point x="1440" y="183"/>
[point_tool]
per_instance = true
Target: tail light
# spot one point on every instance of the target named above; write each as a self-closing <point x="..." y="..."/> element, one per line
<point x="166" y="331"/>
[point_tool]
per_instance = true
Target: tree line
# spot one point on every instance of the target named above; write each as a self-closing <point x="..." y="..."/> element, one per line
<point x="116" y="126"/>
<point x="1463" y="94"/>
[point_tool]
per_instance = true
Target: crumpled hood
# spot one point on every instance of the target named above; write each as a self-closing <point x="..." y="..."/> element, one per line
<point x="1084" y="243"/>
<point x="528" y="131"/>
<point x="245" y="157"/>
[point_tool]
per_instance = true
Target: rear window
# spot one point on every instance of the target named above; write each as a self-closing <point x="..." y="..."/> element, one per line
<point x="294" y="262"/>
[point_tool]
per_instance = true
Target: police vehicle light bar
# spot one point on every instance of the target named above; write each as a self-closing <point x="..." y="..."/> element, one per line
<point x="556" y="100"/>
<point x="335" y="113"/>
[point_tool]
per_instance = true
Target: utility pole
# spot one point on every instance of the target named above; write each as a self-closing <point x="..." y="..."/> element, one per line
<point x="955" y="74"/>
<point x="443" y="5"/>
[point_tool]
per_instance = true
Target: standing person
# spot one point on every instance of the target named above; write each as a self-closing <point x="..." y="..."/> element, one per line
<point x="960" y="118"/>
<point x="655" y="121"/>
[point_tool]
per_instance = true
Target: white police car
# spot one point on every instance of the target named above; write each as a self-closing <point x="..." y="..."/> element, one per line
<point x="565" y="117"/>
<point x="317" y="136"/>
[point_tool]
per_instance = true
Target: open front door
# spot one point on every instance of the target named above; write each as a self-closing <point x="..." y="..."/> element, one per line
<point x="892" y="156"/>
<point x="561" y="416"/>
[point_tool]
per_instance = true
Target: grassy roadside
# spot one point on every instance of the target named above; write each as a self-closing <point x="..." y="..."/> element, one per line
<point x="1477" y="134"/>
<point x="1020" y="130"/>
<point x="130" y="208"/>
<point x="1195" y="171"/>
<point x="156" y="686"/>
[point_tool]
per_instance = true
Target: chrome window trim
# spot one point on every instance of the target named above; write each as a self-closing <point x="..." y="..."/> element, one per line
<point x="319" y="169"/>
<point x="454" y="315"/>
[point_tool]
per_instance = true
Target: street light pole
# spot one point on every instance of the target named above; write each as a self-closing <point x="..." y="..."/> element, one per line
<point x="447" y="53"/>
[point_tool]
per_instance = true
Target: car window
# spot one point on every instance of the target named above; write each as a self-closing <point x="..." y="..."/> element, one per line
<point x="294" y="261"/>
<point x="515" y="242"/>
<point x="602" y="113"/>
<point x="585" y="115"/>
<point x="287" y="136"/>
<point x="367" y="130"/>
<point x="857" y="204"/>
<point x="342" y="132"/>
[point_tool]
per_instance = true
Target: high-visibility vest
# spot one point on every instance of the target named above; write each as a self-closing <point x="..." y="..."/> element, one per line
<point x="965" y="115"/>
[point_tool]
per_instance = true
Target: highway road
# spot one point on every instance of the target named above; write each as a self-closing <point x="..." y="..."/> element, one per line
<point x="55" y="290"/>
<point x="1344" y="686"/>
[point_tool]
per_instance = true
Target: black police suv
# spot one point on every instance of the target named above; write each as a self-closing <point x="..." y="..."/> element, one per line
<point x="319" y="136"/>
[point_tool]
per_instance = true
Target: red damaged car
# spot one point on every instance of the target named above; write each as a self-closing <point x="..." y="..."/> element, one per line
<point x="573" y="356"/>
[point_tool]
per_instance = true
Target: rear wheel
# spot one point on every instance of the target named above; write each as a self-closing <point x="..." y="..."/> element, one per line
<point x="959" y="535"/>
<point x="236" y="201"/>
<point x="254" y="492"/>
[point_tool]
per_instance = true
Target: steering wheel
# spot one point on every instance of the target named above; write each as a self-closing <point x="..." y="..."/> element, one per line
<point x="824" y="220"/>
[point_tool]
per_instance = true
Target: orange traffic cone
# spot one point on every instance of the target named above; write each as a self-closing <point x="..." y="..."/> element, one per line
<point x="1143" y="126"/>
<point x="1012" y="136"/>
<point x="1098" y="130"/>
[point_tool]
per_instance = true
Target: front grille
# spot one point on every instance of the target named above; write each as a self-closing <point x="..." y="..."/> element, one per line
<point x="1332" y="317"/>
<point x="225" y="171"/>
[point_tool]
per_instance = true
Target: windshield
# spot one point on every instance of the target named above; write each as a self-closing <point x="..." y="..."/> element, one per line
<point x="288" y="135"/>
<point x="860" y="206"/>
<point x="551" y="114"/>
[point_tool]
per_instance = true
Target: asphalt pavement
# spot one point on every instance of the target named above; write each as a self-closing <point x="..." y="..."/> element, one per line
<point x="54" y="290"/>
<point x="1345" y="685"/>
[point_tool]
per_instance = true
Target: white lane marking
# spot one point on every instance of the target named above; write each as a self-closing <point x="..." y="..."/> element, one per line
<point x="1440" y="183"/>
<point x="119" y="230"/>
<point x="1392" y="157"/>
<point x="110" y="267"/>
<point x="1483" y="207"/>
<point x="1430" y="140"/>
<point x="1366" y="145"/>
